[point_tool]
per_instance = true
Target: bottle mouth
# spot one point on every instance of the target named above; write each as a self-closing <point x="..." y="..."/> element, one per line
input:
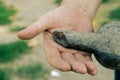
<point x="60" y="38"/>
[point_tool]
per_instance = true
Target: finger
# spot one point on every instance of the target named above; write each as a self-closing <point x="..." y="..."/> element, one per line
<point x="87" y="60"/>
<point x="92" y="70"/>
<point x="37" y="27"/>
<point x="76" y="66"/>
<point x="79" y="57"/>
<point x="54" y="56"/>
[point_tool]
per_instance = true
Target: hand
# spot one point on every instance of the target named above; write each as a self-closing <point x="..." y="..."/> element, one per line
<point x="63" y="18"/>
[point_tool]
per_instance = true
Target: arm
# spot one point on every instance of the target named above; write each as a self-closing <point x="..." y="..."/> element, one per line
<point x="76" y="15"/>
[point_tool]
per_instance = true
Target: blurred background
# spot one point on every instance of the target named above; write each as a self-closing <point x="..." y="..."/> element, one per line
<point x="25" y="60"/>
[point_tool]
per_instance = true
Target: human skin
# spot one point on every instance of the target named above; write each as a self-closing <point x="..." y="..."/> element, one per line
<point x="75" y="15"/>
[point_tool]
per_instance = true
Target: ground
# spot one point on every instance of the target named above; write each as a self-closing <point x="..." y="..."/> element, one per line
<point x="29" y="11"/>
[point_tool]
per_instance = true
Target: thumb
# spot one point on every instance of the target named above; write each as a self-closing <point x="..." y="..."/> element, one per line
<point x="37" y="27"/>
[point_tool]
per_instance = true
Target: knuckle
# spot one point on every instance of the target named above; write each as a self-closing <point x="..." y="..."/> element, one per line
<point x="65" y="68"/>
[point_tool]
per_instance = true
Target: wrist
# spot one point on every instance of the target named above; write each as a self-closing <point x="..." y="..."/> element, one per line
<point x="88" y="7"/>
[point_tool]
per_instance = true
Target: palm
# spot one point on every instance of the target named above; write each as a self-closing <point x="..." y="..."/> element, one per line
<point x="64" y="18"/>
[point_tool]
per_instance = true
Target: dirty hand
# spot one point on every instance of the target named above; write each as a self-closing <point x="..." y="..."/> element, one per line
<point x="63" y="18"/>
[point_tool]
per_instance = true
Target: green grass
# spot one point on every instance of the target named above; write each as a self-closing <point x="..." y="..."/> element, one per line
<point x="103" y="23"/>
<point x="105" y="1"/>
<point x="11" y="51"/>
<point x="115" y="14"/>
<point x="17" y="29"/>
<point x="6" y="13"/>
<point x="103" y="14"/>
<point x="33" y="71"/>
<point x="4" y="75"/>
<point x="58" y="2"/>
